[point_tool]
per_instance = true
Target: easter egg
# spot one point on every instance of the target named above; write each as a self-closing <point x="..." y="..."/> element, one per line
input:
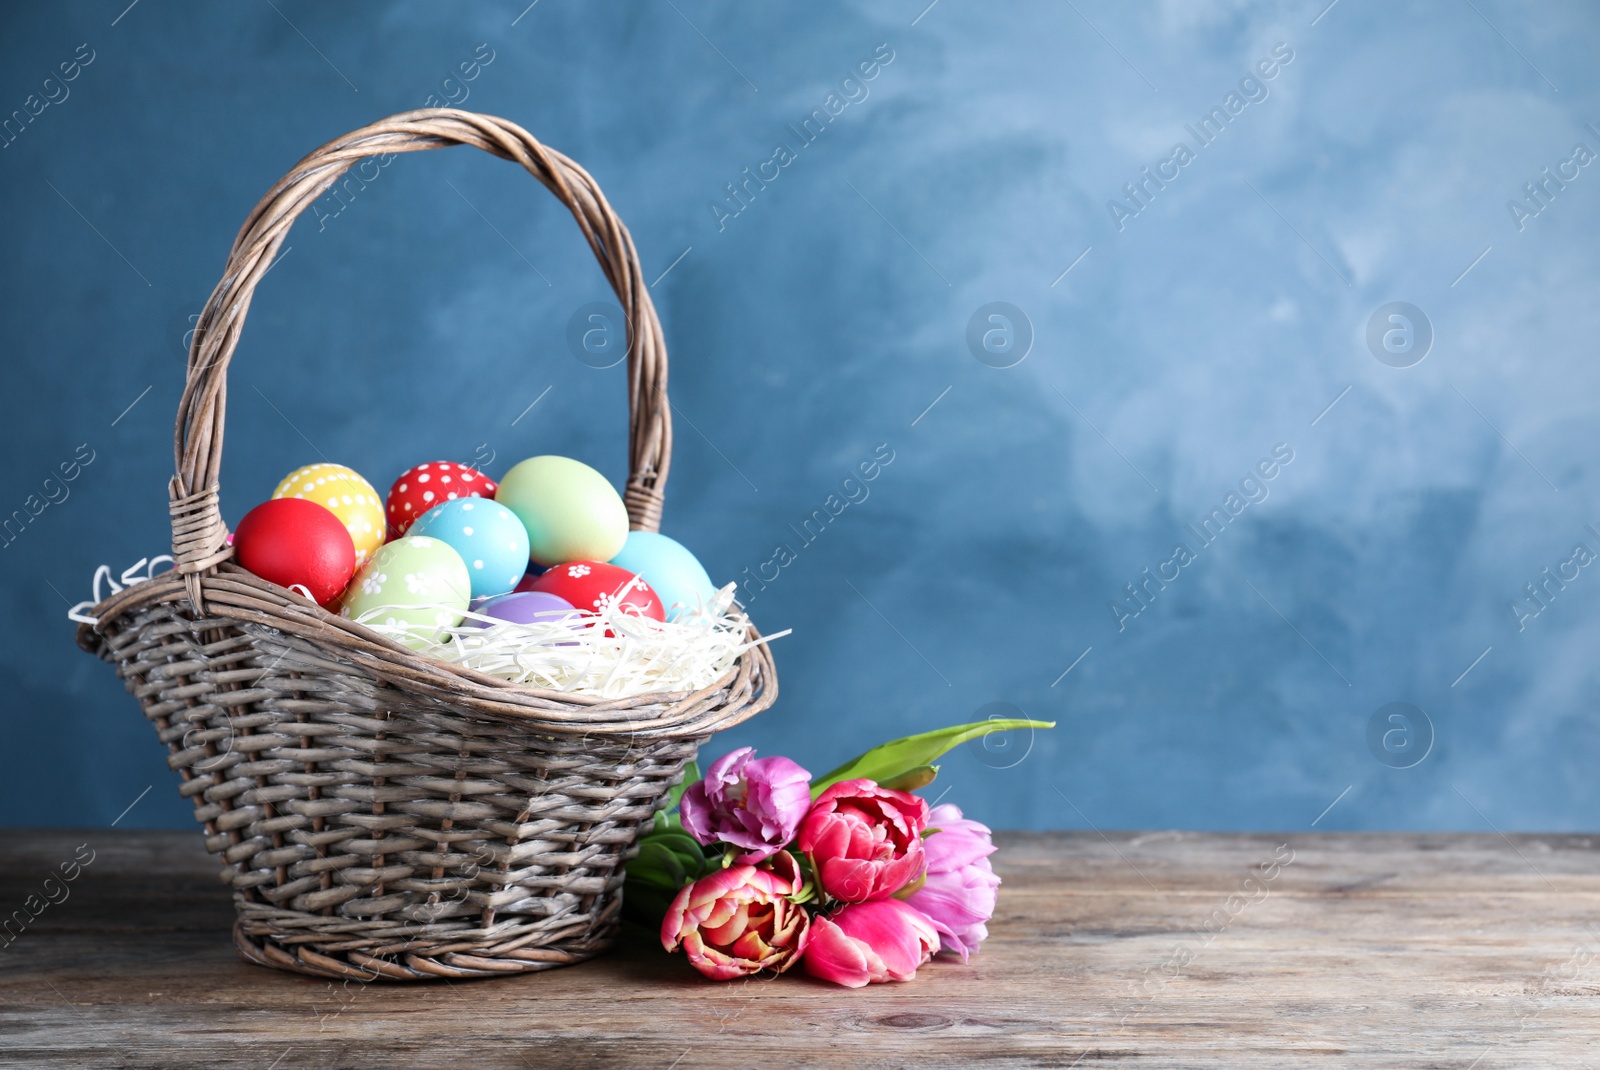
<point x="571" y="511"/>
<point x="415" y="582"/>
<point x="594" y="587"/>
<point x="487" y="535"/>
<point x="347" y="496"/>
<point x="526" y="607"/>
<point x="669" y="568"/>
<point x="421" y="488"/>
<point x="295" y="542"/>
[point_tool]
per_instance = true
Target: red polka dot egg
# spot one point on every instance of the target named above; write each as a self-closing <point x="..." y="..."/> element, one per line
<point x="596" y="587"/>
<point x="425" y="486"/>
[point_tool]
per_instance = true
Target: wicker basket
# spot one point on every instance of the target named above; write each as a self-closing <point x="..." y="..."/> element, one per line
<point x="378" y="813"/>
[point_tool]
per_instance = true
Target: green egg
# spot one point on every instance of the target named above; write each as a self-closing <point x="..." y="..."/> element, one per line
<point x="571" y="511"/>
<point x="416" y="582"/>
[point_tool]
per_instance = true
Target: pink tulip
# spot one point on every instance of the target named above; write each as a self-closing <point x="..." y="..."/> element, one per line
<point x="737" y="921"/>
<point x="884" y="940"/>
<point x="754" y="804"/>
<point x="961" y="888"/>
<point x="864" y="842"/>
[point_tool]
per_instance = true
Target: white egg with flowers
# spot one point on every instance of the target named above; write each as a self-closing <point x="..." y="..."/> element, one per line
<point x="412" y="588"/>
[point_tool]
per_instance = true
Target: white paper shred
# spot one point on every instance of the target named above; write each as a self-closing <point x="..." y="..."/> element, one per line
<point x="130" y="576"/>
<point x="574" y="653"/>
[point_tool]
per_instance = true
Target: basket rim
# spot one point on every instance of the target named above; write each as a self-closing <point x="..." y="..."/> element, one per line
<point x="236" y="594"/>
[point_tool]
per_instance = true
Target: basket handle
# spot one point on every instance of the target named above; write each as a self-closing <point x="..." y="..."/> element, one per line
<point x="198" y="533"/>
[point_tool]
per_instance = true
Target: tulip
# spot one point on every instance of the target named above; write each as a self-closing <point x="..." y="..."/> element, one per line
<point x="737" y="921"/>
<point x="959" y="893"/>
<point x="865" y="943"/>
<point x="753" y="804"/>
<point x="864" y="841"/>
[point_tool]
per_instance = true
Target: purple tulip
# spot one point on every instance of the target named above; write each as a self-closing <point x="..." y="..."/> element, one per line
<point x="754" y="804"/>
<point x="961" y="888"/>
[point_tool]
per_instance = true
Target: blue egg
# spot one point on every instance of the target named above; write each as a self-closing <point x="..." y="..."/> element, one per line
<point x="487" y="535"/>
<point x="668" y="568"/>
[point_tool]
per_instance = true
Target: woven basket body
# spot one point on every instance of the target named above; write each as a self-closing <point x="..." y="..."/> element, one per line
<point x="380" y="814"/>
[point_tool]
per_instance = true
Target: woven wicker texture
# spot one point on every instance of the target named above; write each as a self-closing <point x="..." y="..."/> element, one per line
<point x="380" y="814"/>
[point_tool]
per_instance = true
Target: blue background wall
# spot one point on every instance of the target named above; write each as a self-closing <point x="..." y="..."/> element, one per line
<point x="831" y="312"/>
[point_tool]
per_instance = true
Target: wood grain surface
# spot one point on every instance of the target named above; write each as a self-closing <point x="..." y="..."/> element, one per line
<point x="1154" y="949"/>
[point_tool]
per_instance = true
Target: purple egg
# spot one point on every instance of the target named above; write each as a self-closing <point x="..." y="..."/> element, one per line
<point x="525" y="607"/>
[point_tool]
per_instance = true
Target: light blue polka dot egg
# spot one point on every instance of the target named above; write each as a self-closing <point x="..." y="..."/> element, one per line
<point x="670" y="570"/>
<point x="487" y="535"/>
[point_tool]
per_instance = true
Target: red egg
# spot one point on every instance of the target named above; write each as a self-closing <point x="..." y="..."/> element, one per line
<point x="530" y="577"/>
<point x="595" y="587"/>
<point x="425" y="486"/>
<point x="296" y="542"/>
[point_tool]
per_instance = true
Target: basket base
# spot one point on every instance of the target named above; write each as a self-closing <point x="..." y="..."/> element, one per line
<point x="371" y="831"/>
<point x="263" y="950"/>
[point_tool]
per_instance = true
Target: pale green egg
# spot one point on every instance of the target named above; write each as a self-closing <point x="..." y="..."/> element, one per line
<point x="571" y="511"/>
<point x="416" y="582"/>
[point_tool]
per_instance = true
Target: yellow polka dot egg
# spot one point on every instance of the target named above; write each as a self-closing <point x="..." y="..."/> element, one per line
<point x="349" y="497"/>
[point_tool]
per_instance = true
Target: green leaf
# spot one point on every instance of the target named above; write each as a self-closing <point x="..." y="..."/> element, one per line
<point x="646" y="904"/>
<point x="675" y="839"/>
<point x="912" y="779"/>
<point x="691" y="773"/>
<point x="899" y="757"/>
<point x="668" y="859"/>
<point x="658" y="866"/>
<point x="911" y="889"/>
<point x="688" y="853"/>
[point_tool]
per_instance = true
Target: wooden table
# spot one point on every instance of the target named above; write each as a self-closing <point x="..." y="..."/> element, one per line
<point x="1155" y="949"/>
